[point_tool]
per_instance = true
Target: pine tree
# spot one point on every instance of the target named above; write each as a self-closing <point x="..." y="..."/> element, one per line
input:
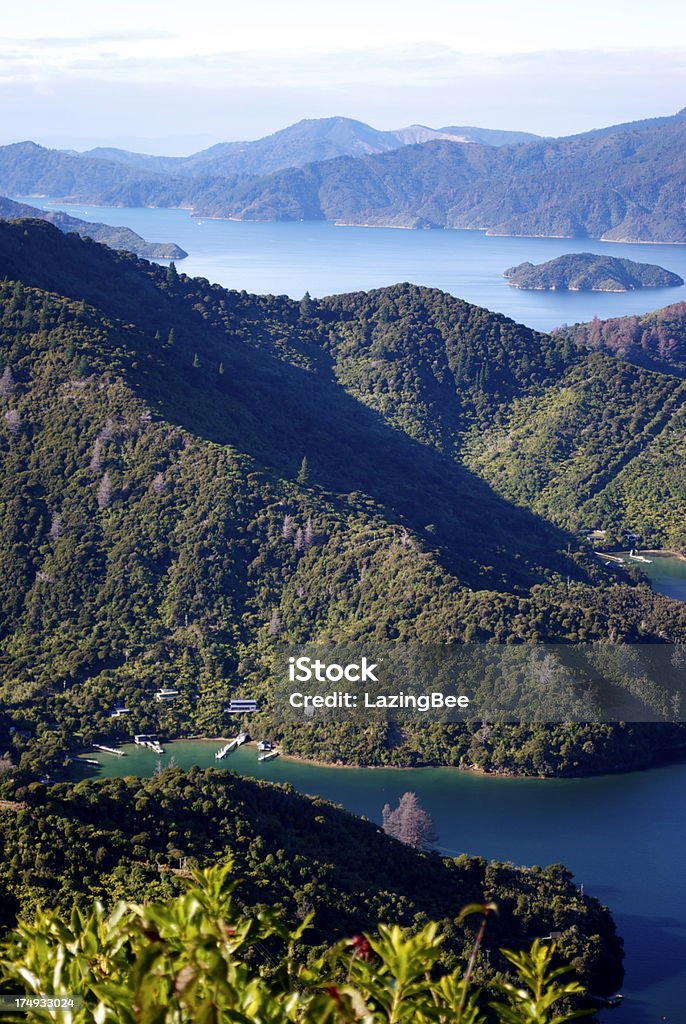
<point x="309" y="535"/>
<point x="275" y="624"/>
<point x="299" y="542"/>
<point x="304" y="472"/>
<point x="288" y="528"/>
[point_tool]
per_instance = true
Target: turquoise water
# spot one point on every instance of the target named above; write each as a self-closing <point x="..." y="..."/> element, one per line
<point x="667" y="574"/>
<point x="292" y="258"/>
<point x="623" y="836"/>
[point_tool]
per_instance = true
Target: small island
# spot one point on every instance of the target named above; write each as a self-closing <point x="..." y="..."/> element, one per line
<point x="585" y="271"/>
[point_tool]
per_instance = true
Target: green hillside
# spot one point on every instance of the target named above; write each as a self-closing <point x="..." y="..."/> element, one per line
<point x="190" y="474"/>
<point x="115" y="237"/>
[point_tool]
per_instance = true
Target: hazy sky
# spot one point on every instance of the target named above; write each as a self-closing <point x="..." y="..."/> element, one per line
<point x="172" y="76"/>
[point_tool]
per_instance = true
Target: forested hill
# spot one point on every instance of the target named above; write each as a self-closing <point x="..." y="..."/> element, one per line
<point x="586" y="271"/>
<point x="115" y="237"/>
<point x="656" y="340"/>
<point x="125" y="838"/>
<point x="189" y="474"/>
<point x="624" y="183"/>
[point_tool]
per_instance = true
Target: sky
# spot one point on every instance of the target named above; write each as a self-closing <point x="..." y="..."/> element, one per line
<point x="168" y="76"/>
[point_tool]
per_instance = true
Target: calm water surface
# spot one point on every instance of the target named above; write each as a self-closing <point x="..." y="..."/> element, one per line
<point x="667" y="575"/>
<point x="623" y="836"/>
<point x="319" y="257"/>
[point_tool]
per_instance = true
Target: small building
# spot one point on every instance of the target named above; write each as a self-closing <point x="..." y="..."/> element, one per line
<point x="166" y="694"/>
<point x="118" y="712"/>
<point x="241" y="706"/>
<point x="264" y="745"/>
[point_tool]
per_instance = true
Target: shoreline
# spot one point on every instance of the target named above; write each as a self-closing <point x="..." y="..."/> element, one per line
<point x="674" y="755"/>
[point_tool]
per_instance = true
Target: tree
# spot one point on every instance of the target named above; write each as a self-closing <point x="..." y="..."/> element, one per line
<point x="410" y="823"/>
<point x="304" y="471"/>
<point x="288" y="528"/>
<point x="6" y="382"/>
<point x="104" y="492"/>
<point x="309" y="535"/>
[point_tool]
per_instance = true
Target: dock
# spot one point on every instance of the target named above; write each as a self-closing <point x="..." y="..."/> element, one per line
<point x="237" y="741"/>
<point x="639" y="558"/>
<point x="149" y="741"/>
<point x="109" y="750"/>
<point x="269" y="755"/>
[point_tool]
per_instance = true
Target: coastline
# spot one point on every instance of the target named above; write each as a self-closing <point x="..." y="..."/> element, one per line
<point x="673" y="755"/>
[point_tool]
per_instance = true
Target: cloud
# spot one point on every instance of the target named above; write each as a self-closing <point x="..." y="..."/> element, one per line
<point x="69" y="42"/>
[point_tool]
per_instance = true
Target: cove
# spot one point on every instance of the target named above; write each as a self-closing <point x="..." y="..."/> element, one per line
<point x="623" y="836"/>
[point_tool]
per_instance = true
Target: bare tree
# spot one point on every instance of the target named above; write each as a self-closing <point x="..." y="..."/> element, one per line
<point x="13" y="421"/>
<point x="410" y="823"/>
<point x="96" y="457"/>
<point x="299" y="542"/>
<point x="55" y="527"/>
<point x="288" y="528"/>
<point x="158" y="483"/>
<point x="6" y="383"/>
<point x="104" y="492"/>
<point x="275" y="624"/>
<point x="309" y="535"/>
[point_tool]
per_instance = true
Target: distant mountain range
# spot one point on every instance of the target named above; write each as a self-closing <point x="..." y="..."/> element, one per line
<point x="585" y="271"/>
<point x="115" y="237"/>
<point x="302" y="143"/>
<point x="623" y="183"/>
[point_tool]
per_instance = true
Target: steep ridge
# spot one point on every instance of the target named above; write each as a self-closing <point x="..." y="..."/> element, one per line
<point x="160" y="526"/>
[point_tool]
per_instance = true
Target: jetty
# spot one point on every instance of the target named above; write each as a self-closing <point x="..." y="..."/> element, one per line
<point x="109" y="750"/>
<point x="269" y="755"/>
<point x="639" y="558"/>
<point x="149" y="741"/>
<point x="237" y="741"/>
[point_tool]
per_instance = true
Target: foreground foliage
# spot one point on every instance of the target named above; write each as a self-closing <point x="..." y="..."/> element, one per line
<point x="200" y="958"/>
<point x="65" y="845"/>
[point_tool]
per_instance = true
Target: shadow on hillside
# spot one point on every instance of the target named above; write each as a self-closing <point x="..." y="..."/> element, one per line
<point x="277" y="412"/>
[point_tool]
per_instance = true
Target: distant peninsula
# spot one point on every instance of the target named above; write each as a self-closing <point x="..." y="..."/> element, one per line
<point x="584" y="271"/>
<point x="115" y="237"/>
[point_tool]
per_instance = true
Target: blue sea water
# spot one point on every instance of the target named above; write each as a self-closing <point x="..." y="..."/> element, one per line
<point x="322" y="258"/>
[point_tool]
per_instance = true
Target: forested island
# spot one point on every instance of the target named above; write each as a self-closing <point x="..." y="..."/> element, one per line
<point x="115" y="237"/>
<point x="586" y="271"/>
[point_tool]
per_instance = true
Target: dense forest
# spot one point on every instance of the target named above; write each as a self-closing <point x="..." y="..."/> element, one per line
<point x="620" y="183"/>
<point x="191" y="475"/>
<point x="136" y="839"/>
